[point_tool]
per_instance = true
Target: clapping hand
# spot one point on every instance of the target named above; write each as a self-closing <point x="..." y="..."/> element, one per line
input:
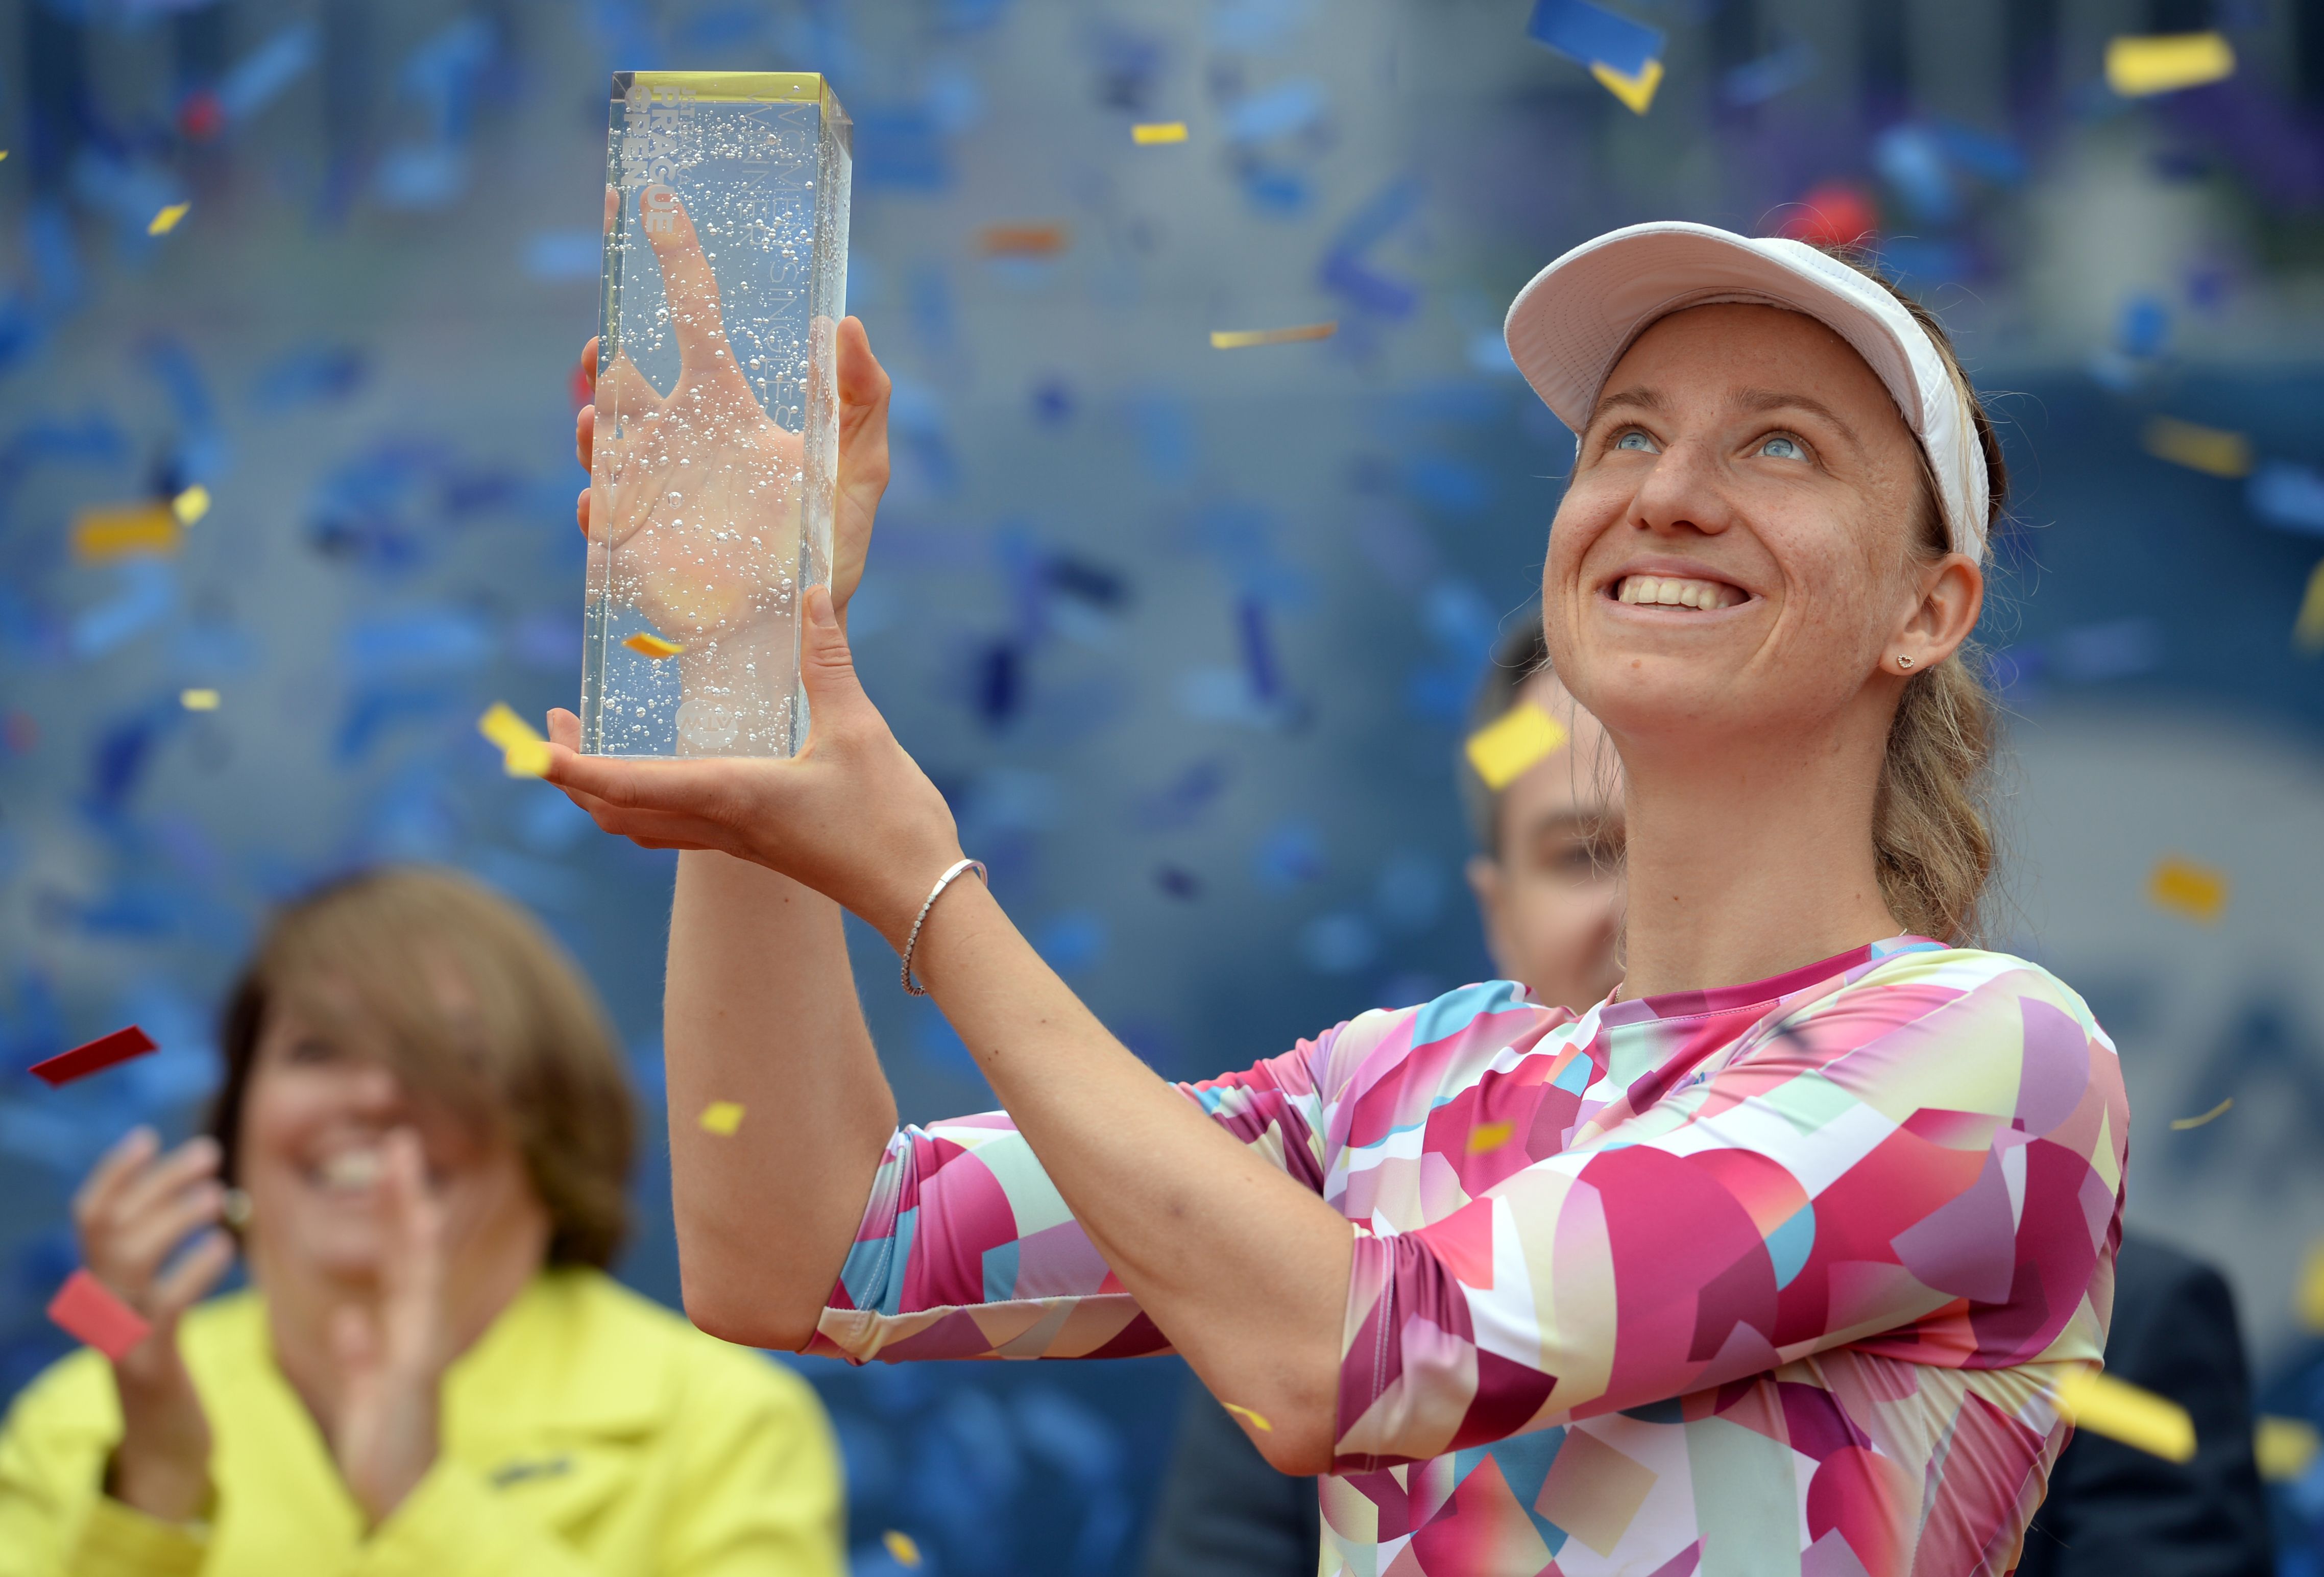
<point x="384" y="1431"/>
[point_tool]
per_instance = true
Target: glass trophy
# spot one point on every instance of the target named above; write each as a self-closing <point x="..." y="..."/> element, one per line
<point x="717" y="415"/>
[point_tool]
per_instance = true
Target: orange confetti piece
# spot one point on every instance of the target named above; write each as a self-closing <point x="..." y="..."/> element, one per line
<point x="722" y="1117"/>
<point x="2185" y="888"/>
<point x="124" y="530"/>
<point x="1489" y="1136"/>
<point x="652" y="646"/>
<point x="1244" y="338"/>
<point x="2182" y="1124"/>
<point x="1024" y="240"/>
<point x="1257" y="1422"/>
<point x="902" y="1547"/>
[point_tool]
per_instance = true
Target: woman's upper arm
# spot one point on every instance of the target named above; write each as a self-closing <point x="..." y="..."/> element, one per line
<point x="1932" y="1164"/>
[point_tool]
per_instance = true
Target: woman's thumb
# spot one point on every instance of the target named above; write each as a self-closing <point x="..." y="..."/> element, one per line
<point x="826" y="664"/>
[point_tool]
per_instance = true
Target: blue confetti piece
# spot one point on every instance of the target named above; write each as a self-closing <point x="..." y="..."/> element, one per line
<point x="420" y="641"/>
<point x="1992" y="159"/>
<point x="898" y="147"/>
<point x="1181" y="803"/>
<point x="147" y="594"/>
<point x="1257" y="649"/>
<point x="1053" y="402"/>
<point x="564" y="254"/>
<point x="1338" y="943"/>
<point x="1594" y="36"/>
<point x="1282" y="110"/>
<point x="1912" y="160"/>
<point x="2142" y="326"/>
<point x="1770" y="76"/>
<point x="1256" y="24"/>
<point x="2288" y="497"/>
<point x="260" y="76"/>
<point x="1178" y="882"/>
<point x="1164" y="427"/>
<point x="317" y="374"/>
<point x="419" y="178"/>
<point x="373" y="710"/>
<point x="1289" y="855"/>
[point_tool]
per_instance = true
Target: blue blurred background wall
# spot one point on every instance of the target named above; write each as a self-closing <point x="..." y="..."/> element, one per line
<point x="1185" y="634"/>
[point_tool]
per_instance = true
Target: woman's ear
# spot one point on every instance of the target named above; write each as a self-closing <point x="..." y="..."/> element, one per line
<point x="1486" y="881"/>
<point x="1952" y="594"/>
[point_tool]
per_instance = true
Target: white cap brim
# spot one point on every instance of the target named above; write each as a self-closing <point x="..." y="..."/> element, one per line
<point x="1576" y="317"/>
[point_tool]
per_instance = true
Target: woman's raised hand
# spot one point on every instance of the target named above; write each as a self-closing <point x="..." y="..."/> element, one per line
<point x="385" y="1429"/>
<point x="853" y="815"/>
<point x="705" y="488"/>
<point x="136" y="1208"/>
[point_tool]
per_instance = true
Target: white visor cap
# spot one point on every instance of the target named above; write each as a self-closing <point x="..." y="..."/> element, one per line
<point x="1576" y="317"/>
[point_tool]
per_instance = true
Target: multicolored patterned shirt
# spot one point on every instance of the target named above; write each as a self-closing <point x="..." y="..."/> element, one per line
<point x="1779" y="1277"/>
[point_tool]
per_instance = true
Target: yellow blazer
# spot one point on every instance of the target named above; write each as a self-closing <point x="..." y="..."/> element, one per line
<point x="589" y="1431"/>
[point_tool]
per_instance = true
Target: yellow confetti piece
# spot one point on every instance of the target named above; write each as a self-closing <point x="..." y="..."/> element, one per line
<point x="1489" y="1136"/>
<point x="523" y="752"/>
<point x="2130" y="1414"/>
<point x="1150" y="132"/>
<point x="2138" y="65"/>
<point x="2308" y="1302"/>
<point x="2209" y="449"/>
<point x="652" y="646"/>
<point x="1244" y="338"/>
<point x="2285" y="1447"/>
<point x="722" y="1117"/>
<point x="1638" y="91"/>
<point x="167" y="220"/>
<point x="198" y="700"/>
<point x="901" y="1546"/>
<point x="2308" y="629"/>
<point x="1256" y="1421"/>
<point x="191" y="504"/>
<point x="2182" y="1124"/>
<point x="1502" y="750"/>
<point x="120" y="530"/>
<point x="2200" y="892"/>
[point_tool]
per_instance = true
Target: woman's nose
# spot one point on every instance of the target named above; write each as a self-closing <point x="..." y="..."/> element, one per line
<point x="1681" y="495"/>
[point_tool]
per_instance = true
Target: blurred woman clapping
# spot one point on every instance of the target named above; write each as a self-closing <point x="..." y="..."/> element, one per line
<point x="422" y="1140"/>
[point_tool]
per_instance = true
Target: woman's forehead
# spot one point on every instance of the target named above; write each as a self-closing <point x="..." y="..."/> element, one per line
<point x="1752" y="353"/>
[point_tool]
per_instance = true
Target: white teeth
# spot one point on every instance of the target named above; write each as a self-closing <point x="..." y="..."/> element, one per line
<point x="350" y="1169"/>
<point x="1672" y="592"/>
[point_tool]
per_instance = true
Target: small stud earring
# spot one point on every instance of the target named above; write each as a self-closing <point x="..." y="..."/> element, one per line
<point x="1904" y="663"/>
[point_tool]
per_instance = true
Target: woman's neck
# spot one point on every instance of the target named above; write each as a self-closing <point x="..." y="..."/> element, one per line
<point x="1746" y="860"/>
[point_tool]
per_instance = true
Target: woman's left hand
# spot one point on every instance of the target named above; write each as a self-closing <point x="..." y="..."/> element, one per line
<point x="391" y="1356"/>
<point x="852" y="815"/>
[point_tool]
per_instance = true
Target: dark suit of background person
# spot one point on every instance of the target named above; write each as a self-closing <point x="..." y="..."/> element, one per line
<point x="2117" y="1512"/>
<point x="2112" y="1511"/>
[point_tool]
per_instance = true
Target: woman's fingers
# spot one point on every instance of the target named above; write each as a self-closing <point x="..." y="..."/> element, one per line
<point x="190" y="1279"/>
<point x="195" y="1161"/>
<point x="695" y="311"/>
<point x="141" y="1244"/>
<point x="128" y="1154"/>
<point x="584" y="434"/>
<point x="864" y="389"/>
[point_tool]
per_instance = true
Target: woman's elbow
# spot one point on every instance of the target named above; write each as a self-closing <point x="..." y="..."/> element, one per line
<point x="1297" y="1450"/>
<point x="743" y="1316"/>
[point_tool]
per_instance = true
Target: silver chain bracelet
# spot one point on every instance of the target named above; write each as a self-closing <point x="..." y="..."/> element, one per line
<point x="913" y="941"/>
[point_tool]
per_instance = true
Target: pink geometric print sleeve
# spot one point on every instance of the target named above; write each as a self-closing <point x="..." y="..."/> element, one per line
<point x="967" y="1250"/>
<point x="1922" y="1160"/>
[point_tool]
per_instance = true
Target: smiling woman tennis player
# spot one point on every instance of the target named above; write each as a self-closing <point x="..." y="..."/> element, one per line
<point x="1770" y="1263"/>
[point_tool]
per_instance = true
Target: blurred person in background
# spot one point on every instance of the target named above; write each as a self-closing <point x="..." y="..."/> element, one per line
<point x="1547" y="880"/>
<point x="422" y="1141"/>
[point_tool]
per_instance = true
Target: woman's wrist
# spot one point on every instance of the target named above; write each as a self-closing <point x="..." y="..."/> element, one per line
<point x="162" y="1485"/>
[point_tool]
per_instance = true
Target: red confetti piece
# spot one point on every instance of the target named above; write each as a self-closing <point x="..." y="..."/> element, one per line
<point x="87" y="1309"/>
<point x="95" y="1057"/>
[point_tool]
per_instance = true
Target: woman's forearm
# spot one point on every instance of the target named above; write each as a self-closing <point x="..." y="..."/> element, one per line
<point x="1243" y="1268"/>
<point x="759" y="1009"/>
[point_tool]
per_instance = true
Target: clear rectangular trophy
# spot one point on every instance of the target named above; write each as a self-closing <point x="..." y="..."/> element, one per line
<point x="717" y="433"/>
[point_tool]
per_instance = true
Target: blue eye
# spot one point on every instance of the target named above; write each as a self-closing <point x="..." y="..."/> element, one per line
<point x="1636" y="441"/>
<point x="1780" y="447"/>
